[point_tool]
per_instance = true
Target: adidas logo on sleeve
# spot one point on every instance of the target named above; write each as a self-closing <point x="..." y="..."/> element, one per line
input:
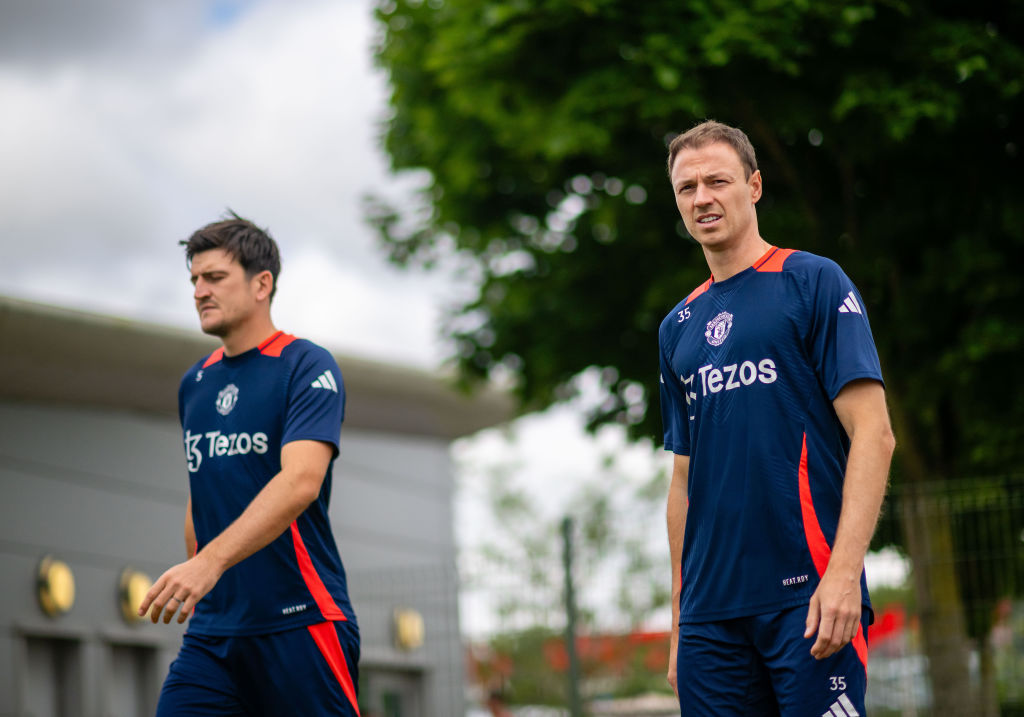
<point x="850" y="305"/>
<point x="326" y="380"/>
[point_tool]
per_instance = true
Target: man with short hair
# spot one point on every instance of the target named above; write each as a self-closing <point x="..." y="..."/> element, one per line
<point x="773" y="404"/>
<point x="272" y="631"/>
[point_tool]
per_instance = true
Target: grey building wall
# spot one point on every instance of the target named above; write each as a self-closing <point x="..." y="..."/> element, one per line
<point x="96" y="489"/>
<point x="97" y="478"/>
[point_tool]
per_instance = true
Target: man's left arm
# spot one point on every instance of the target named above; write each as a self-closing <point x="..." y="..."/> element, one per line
<point x="275" y="507"/>
<point x="835" y="607"/>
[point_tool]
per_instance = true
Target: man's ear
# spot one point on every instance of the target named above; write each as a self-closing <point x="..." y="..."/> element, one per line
<point x="264" y="284"/>
<point x="755" y="186"/>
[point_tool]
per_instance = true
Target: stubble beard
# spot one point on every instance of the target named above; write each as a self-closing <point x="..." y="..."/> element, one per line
<point x="220" y="328"/>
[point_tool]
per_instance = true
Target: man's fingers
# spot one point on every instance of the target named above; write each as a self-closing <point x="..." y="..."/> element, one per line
<point x="154" y="591"/>
<point x="170" y="607"/>
<point x="166" y="603"/>
<point x="174" y="606"/>
<point x="825" y="636"/>
<point x="186" y="609"/>
<point x="813" y="615"/>
<point x="832" y="640"/>
<point x="176" y="592"/>
<point x="851" y="630"/>
<point x="159" y="604"/>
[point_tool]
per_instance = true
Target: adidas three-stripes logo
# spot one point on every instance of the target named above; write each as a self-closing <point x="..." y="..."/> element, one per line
<point x="842" y="707"/>
<point x="325" y="380"/>
<point x="850" y="305"/>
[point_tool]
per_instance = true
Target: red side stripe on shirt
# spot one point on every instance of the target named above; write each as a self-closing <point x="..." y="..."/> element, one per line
<point x="698" y="291"/>
<point x="773" y="259"/>
<point x="275" y="344"/>
<point x="820" y="551"/>
<point x="326" y="639"/>
<point x="316" y="586"/>
<point x="214" y="357"/>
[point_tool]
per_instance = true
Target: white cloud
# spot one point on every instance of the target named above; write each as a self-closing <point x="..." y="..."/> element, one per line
<point x="341" y="306"/>
<point x="106" y="165"/>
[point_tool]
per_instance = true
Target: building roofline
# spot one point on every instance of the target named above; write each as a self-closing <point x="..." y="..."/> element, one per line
<point x="54" y="354"/>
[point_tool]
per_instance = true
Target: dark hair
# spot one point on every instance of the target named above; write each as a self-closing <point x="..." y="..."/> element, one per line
<point x="708" y="132"/>
<point x="251" y="246"/>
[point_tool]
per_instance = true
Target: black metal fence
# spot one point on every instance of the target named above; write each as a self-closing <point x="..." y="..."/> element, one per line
<point x="948" y="637"/>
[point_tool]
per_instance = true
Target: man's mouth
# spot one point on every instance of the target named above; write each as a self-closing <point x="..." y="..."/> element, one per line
<point x="709" y="219"/>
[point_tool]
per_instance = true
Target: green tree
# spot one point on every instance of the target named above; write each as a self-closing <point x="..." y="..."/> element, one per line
<point x="889" y="134"/>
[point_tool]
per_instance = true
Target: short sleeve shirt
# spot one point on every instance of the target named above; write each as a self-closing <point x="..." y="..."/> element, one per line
<point x="749" y="369"/>
<point x="236" y="414"/>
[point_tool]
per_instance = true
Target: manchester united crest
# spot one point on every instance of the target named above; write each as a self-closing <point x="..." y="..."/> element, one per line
<point x="717" y="330"/>
<point x="226" y="399"/>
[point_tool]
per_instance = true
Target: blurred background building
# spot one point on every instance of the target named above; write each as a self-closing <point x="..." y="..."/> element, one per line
<point x="94" y="490"/>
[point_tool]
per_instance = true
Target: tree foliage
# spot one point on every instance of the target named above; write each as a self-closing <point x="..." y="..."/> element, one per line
<point x="889" y="134"/>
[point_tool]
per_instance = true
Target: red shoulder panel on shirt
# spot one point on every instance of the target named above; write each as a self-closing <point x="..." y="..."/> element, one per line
<point x="698" y="291"/>
<point x="773" y="259"/>
<point x="214" y="357"/>
<point x="276" y="343"/>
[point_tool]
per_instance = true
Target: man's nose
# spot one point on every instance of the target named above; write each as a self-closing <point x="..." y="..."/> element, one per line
<point x="702" y="195"/>
<point x="201" y="289"/>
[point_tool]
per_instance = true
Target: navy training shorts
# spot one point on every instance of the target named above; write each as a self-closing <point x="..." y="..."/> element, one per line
<point x="762" y="665"/>
<point x="306" y="671"/>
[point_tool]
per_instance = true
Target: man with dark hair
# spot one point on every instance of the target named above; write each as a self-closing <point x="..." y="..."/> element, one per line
<point x="272" y="630"/>
<point x="773" y="404"/>
<point x="246" y="242"/>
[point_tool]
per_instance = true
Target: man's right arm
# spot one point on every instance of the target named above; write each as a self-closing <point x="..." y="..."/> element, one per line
<point x="190" y="530"/>
<point x="676" y="518"/>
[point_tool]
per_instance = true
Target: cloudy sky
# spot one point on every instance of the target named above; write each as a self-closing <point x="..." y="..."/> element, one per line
<point x="127" y="124"/>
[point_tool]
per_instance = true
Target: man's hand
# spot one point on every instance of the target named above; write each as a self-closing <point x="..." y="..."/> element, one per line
<point x="180" y="588"/>
<point x="672" y="649"/>
<point x="834" y="612"/>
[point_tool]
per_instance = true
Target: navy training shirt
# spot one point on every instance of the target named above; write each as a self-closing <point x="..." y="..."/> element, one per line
<point x="749" y="369"/>
<point x="236" y="414"/>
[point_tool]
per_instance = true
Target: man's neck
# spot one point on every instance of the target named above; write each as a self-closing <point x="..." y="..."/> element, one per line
<point x="727" y="262"/>
<point x="248" y="337"/>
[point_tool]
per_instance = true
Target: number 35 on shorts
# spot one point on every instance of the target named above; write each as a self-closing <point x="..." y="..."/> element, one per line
<point x="837" y="683"/>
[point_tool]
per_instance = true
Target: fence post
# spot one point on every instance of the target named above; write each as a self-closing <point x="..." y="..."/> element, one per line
<point x="575" y="705"/>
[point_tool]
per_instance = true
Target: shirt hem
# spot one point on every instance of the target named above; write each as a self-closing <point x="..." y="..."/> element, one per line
<point x="314" y="618"/>
<point x="718" y="615"/>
